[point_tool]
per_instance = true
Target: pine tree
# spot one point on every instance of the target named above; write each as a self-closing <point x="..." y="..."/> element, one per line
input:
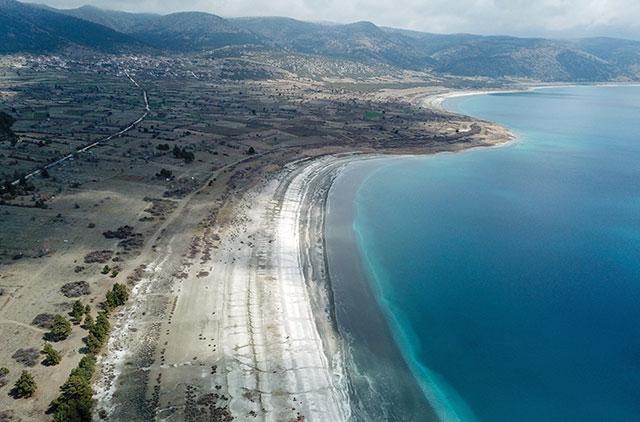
<point x="52" y="356"/>
<point x="88" y="322"/>
<point x="77" y="312"/>
<point x="61" y="328"/>
<point x="25" y="386"/>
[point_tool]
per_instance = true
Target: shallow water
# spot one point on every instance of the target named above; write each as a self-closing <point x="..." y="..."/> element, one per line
<point x="510" y="277"/>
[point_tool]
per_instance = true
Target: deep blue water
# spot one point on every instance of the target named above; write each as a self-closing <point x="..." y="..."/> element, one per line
<point x="510" y="277"/>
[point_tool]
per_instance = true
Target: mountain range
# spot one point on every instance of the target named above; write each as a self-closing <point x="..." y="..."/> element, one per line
<point x="28" y="28"/>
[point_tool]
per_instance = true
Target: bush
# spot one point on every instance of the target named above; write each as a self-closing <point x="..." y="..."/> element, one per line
<point x="43" y="320"/>
<point x="60" y="330"/>
<point x="25" y="386"/>
<point x="182" y="153"/>
<point x="75" y="289"/>
<point x="164" y="174"/>
<point x="52" y="356"/>
<point x="4" y="371"/>
<point x="27" y="357"/>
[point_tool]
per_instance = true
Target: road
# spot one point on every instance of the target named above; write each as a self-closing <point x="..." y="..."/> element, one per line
<point x="88" y="147"/>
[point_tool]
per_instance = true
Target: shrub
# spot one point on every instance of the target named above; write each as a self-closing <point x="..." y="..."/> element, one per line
<point x="164" y="174"/>
<point x="75" y="289"/>
<point x="43" y="320"/>
<point x="27" y="357"/>
<point x="182" y="153"/>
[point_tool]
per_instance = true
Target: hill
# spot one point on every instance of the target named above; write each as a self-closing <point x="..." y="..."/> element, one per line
<point x="585" y="60"/>
<point x="40" y="30"/>
<point x="356" y="41"/>
<point x="32" y="29"/>
<point x="185" y="31"/>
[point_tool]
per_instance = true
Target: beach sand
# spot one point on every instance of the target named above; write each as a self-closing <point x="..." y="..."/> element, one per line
<point x="254" y="323"/>
<point x="249" y="332"/>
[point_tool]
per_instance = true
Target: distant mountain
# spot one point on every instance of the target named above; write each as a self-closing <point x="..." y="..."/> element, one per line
<point x="186" y="31"/>
<point x="124" y="22"/>
<point x="32" y="29"/>
<point x="531" y="58"/>
<point x="40" y="29"/>
<point x="584" y="60"/>
<point x="189" y="31"/>
<point x="356" y="41"/>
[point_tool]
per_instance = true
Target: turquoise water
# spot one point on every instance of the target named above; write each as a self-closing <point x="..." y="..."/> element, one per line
<point x="510" y="277"/>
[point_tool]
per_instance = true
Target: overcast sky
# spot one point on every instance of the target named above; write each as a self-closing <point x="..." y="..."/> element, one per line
<point x="514" y="17"/>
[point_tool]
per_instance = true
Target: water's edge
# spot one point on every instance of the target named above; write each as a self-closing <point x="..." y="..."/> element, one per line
<point x="382" y="386"/>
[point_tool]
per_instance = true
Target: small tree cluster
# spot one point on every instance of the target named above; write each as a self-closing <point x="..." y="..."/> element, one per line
<point x="117" y="296"/>
<point x="76" y="399"/>
<point x="183" y="154"/>
<point x="98" y="333"/>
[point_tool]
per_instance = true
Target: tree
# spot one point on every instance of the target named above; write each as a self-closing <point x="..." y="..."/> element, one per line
<point x="117" y="296"/>
<point x="77" y="312"/>
<point x="94" y="344"/>
<point x="98" y="333"/>
<point x="88" y="322"/>
<point x="52" y="356"/>
<point x="75" y="401"/>
<point x="61" y="328"/>
<point x="251" y="151"/>
<point x="25" y="386"/>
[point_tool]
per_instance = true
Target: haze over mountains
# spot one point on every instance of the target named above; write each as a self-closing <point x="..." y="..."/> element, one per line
<point x="38" y="29"/>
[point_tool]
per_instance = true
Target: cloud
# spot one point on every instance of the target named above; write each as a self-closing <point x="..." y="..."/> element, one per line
<point x="513" y="17"/>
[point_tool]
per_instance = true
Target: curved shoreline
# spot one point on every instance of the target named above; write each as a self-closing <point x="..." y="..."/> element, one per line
<point x="436" y="101"/>
<point x="252" y="325"/>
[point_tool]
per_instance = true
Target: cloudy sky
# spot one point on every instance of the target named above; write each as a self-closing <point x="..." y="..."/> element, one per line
<point x="514" y="17"/>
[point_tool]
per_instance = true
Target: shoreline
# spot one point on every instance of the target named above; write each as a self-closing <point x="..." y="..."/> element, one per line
<point x="254" y="320"/>
<point x="436" y="101"/>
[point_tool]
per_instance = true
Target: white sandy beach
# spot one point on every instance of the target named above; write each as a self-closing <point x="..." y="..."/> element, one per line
<point x="269" y="330"/>
<point x="256" y="314"/>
